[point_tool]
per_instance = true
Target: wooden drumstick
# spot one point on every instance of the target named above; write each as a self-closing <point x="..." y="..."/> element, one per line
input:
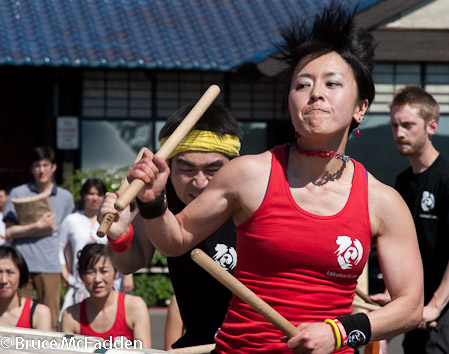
<point x="366" y="305"/>
<point x="172" y="142"/>
<point x="108" y="219"/>
<point x="364" y="296"/>
<point x="245" y="294"/>
<point x="198" y="349"/>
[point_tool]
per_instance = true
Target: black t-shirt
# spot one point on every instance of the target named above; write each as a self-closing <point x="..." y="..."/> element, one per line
<point x="202" y="300"/>
<point x="427" y="196"/>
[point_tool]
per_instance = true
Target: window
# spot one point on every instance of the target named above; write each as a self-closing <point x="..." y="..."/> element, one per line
<point x="116" y="94"/>
<point x="113" y="143"/>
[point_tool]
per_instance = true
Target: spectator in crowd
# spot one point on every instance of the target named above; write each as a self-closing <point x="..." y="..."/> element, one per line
<point x="77" y="230"/>
<point x="106" y="313"/>
<point x="16" y="310"/>
<point x="4" y="195"/>
<point x="425" y="188"/>
<point x="213" y="142"/>
<point x="38" y="242"/>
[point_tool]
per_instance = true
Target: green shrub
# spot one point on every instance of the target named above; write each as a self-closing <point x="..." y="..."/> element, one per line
<point x="63" y="290"/>
<point x="112" y="178"/>
<point x="154" y="289"/>
<point x="158" y="259"/>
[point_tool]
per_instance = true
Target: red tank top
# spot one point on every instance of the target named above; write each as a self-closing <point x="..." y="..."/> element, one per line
<point x="304" y="265"/>
<point x="119" y="328"/>
<point x="24" y="320"/>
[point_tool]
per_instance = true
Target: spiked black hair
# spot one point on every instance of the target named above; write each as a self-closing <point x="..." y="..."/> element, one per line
<point x="333" y="30"/>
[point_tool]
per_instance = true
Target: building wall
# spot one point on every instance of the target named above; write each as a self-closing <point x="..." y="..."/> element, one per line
<point x="122" y="110"/>
<point x="431" y="14"/>
<point x="127" y="110"/>
<point x="24" y="120"/>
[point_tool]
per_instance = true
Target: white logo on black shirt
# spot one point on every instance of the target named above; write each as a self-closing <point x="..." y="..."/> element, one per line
<point x="225" y="256"/>
<point x="427" y="201"/>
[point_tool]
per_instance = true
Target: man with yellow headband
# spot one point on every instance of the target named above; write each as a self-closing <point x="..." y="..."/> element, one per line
<point x="202" y="300"/>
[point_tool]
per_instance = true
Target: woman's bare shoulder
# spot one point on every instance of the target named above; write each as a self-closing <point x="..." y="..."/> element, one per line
<point x="386" y="207"/>
<point x="42" y="310"/>
<point x="42" y="317"/>
<point x="135" y="302"/>
<point x="380" y="193"/>
<point x="249" y="165"/>
<point x="73" y="312"/>
<point x="71" y="319"/>
<point x="136" y="308"/>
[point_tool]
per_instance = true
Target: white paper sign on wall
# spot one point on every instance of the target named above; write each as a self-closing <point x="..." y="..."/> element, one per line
<point x="67" y="133"/>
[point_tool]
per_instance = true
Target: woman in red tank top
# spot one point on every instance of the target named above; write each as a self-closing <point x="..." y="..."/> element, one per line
<point x="306" y="214"/>
<point x="106" y="314"/>
<point x="16" y="310"/>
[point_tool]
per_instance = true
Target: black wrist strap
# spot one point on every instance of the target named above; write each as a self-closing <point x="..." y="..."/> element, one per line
<point x="153" y="209"/>
<point x="358" y="329"/>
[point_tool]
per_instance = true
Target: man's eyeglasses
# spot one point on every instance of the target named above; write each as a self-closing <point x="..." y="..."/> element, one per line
<point x="43" y="166"/>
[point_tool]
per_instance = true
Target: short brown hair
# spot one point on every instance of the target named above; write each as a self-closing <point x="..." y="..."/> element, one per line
<point x="43" y="153"/>
<point x="417" y="97"/>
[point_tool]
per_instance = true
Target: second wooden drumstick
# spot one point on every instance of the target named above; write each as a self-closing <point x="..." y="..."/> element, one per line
<point x="244" y="293"/>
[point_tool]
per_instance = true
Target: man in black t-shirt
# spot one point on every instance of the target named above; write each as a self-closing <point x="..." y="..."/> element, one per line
<point x="425" y="188"/>
<point x="201" y="299"/>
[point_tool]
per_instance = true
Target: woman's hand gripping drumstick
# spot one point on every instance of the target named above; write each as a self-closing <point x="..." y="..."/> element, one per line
<point x="164" y="152"/>
<point x="128" y="192"/>
<point x="245" y="294"/>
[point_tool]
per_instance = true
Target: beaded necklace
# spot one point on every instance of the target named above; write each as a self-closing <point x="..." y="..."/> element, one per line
<point x="322" y="153"/>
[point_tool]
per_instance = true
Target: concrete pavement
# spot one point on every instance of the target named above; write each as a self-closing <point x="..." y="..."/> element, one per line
<point x="157" y="319"/>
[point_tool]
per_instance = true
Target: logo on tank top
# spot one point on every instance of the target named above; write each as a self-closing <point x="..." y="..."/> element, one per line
<point x="349" y="252"/>
<point x="427" y="201"/>
<point x="225" y="256"/>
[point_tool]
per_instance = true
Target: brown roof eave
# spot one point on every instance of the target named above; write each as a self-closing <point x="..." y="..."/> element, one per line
<point x="412" y="45"/>
<point x="385" y="11"/>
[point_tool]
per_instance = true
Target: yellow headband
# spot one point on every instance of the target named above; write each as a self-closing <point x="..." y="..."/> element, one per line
<point x="203" y="140"/>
